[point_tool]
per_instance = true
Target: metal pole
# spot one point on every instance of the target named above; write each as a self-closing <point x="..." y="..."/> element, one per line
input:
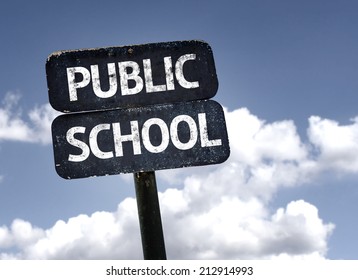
<point x="149" y="216"/>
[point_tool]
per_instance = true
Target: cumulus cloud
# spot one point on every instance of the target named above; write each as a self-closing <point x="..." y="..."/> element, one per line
<point x="337" y="145"/>
<point x="231" y="229"/>
<point x="34" y="128"/>
<point x="12" y="127"/>
<point x="41" y="118"/>
<point x="214" y="212"/>
<point x="103" y="235"/>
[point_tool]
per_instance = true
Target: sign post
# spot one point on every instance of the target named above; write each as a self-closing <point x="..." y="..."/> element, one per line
<point x="149" y="216"/>
<point x="136" y="109"/>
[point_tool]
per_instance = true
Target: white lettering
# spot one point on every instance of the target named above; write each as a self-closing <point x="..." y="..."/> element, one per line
<point x="174" y="132"/>
<point x="149" y="78"/>
<point x="128" y="78"/>
<point x="70" y="137"/>
<point x="125" y="76"/>
<point x="146" y="139"/>
<point x="179" y="71"/>
<point x="94" y="143"/>
<point x="72" y="84"/>
<point x="204" y="138"/>
<point x="177" y="135"/>
<point x="169" y="77"/>
<point x="97" y="84"/>
<point x="119" y="138"/>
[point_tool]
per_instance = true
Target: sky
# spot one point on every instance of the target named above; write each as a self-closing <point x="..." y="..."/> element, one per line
<point x="287" y="73"/>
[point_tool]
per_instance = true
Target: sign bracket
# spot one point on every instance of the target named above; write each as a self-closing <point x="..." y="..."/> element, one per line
<point x="149" y="216"/>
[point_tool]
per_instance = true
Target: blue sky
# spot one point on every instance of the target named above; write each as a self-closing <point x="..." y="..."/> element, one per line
<point x="287" y="74"/>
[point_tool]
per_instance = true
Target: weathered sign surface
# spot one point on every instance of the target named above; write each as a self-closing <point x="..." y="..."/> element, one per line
<point x="130" y="76"/>
<point x="140" y="139"/>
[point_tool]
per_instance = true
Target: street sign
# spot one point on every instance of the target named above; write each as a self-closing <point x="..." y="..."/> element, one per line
<point x="130" y="76"/>
<point x="143" y="108"/>
<point x="140" y="139"/>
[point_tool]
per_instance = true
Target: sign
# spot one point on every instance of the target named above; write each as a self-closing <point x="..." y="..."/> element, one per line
<point x="130" y="76"/>
<point x="140" y="139"/>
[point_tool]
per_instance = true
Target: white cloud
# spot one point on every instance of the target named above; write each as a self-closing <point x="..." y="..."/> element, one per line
<point x="230" y="229"/>
<point x="337" y="145"/>
<point x="102" y="235"/>
<point x="5" y="237"/>
<point x="221" y="212"/>
<point x="298" y="230"/>
<point x="41" y="118"/>
<point x="255" y="141"/>
<point x="13" y="127"/>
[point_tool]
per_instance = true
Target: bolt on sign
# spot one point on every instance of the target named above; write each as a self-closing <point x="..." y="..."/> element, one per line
<point x="142" y="108"/>
<point x="139" y="75"/>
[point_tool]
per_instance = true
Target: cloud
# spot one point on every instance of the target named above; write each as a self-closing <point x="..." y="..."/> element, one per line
<point x="297" y="230"/>
<point x="336" y="145"/>
<point x="34" y="128"/>
<point x="214" y="212"/>
<point x="14" y="127"/>
<point x="41" y="118"/>
<point x="255" y="140"/>
<point x="232" y="229"/>
<point x="103" y="235"/>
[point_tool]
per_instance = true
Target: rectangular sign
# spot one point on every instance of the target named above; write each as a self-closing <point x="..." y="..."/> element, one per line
<point x="130" y="76"/>
<point x="140" y="139"/>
